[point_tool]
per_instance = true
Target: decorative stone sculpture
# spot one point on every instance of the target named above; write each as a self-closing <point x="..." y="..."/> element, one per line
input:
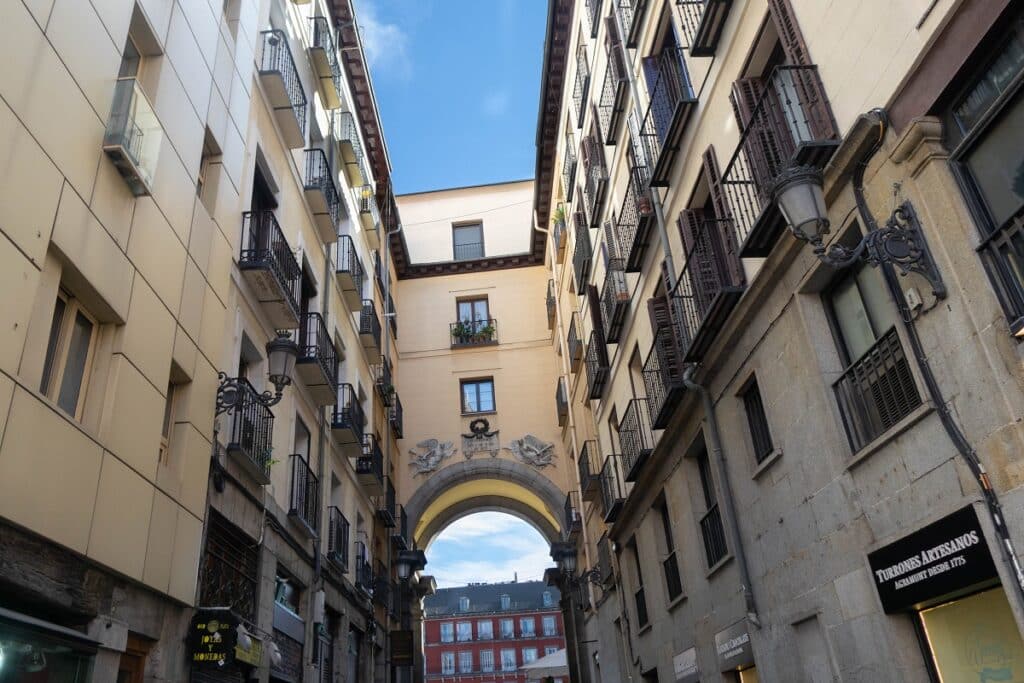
<point x="428" y="455"/>
<point x="481" y="440"/>
<point x="532" y="451"/>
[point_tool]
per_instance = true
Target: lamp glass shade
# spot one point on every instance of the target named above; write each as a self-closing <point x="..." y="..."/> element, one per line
<point x="801" y="200"/>
<point x="404" y="569"/>
<point x="281" y="355"/>
<point x="569" y="562"/>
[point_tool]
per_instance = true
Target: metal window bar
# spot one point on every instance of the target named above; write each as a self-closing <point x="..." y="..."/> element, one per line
<point x="364" y="571"/>
<point x="633" y="222"/>
<point x="265" y="247"/>
<point x="597" y="365"/>
<point x="569" y="172"/>
<point x="671" y="93"/>
<point x="372" y="460"/>
<point x="582" y="254"/>
<point x="562" y="402"/>
<point x="319" y="175"/>
<point x="229" y="568"/>
<point x="593" y="16"/>
<point x="348" y="411"/>
<point x="582" y="87"/>
<point x="369" y="323"/>
<point x="338" y="535"/>
<point x="401" y="533"/>
<point x="305" y="494"/>
<point x="347" y="130"/>
<point x="663" y="375"/>
<point x="384" y="381"/>
<point x="550" y="302"/>
<point x="612" y="103"/>
<point x="572" y="520"/>
<point x="631" y="12"/>
<point x="713" y="533"/>
<point x="589" y="465"/>
<point x="469" y="251"/>
<point x="346" y="260"/>
<point x="595" y="180"/>
<point x="392" y="315"/>
<point x="315" y="345"/>
<point x="323" y="38"/>
<point x="277" y="57"/>
<point x="876" y="391"/>
<point x="635" y="436"/>
<point x="701" y="23"/>
<point x="575" y="342"/>
<point x="387" y="503"/>
<point x="252" y="427"/>
<point x="474" y="332"/>
<point x="673" y="582"/>
<point x="760" y="436"/>
<point x="395" y="417"/>
<point x="612" y="487"/>
<point x="367" y="202"/>
<point x="615" y="298"/>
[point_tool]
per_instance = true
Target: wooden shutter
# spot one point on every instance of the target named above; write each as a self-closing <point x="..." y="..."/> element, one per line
<point x="613" y="46"/>
<point x="594" y="303"/>
<point x="790" y="36"/>
<point x="612" y="240"/>
<point x="689" y="224"/>
<point x="761" y="142"/>
<point x="726" y="227"/>
<point x="651" y="72"/>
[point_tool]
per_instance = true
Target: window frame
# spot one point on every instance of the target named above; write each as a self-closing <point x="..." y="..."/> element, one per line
<point x="167" y="426"/>
<point x="749" y="389"/>
<point x="458" y="631"/>
<point x="477" y="381"/>
<point x="441" y="632"/>
<point x="55" y="367"/>
<point x="472" y="301"/>
<point x="479" y="224"/>
<point x="448" y="657"/>
<point x="532" y="631"/>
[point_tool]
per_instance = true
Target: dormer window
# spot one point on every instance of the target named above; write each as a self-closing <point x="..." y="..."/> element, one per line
<point x="463" y="604"/>
<point x="506" y="602"/>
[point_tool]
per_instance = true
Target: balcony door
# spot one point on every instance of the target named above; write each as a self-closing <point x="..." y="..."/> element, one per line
<point x="664" y="71"/>
<point x="473" y="313"/>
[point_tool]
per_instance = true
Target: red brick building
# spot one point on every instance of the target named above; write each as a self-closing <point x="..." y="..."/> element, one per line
<point x="484" y="632"/>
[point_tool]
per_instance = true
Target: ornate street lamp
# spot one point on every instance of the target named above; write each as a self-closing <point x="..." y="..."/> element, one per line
<point x="564" y="555"/>
<point x="282" y="353"/>
<point x="410" y="562"/>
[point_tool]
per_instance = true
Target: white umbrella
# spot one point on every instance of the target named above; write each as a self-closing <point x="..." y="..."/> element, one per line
<point x="554" y="664"/>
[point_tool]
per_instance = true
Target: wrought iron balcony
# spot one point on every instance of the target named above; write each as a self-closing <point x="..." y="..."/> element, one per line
<point x="348" y="271"/>
<point x="636" y="437"/>
<point x="562" y="401"/>
<point x="613" y="488"/>
<point x="305" y="496"/>
<point x="348" y="420"/>
<point x="400" y="536"/>
<point x="283" y="87"/>
<point x="324" y="56"/>
<point x="392" y="315"/>
<point x="369" y="327"/>
<point x="702" y="22"/>
<point x="785" y="120"/>
<point x="575" y="342"/>
<point x="589" y="465"/>
<point x="583" y="253"/>
<point x="474" y="333"/>
<point x="269" y="266"/>
<point x="582" y="87"/>
<point x="713" y="533"/>
<point x="597" y="365"/>
<point x="615" y="298"/>
<point x="594" y="16"/>
<point x="364" y="570"/>
<point x="708" y="288"/>
<point x="571" y="518"/>
<point x="631" y="12"/>
<point x="604" y="560"/>
<point x="614" y="93"/>
<point x="470" y="251"/>
<point x="250" y="432"/>
<point x="632" y="226"/>
<point x="569" y="171"/>
<point x="386" y="504"/>
<point x="663" y="374"/>
<point x="672" y="101"/>
<point x="337" y="538"/>
<point x="384" y="382"/>
<point x="322" y="195"/>
<point x="876" y="391"/>
<point x="133" y="136"/>
<point x="369" y="215"/>
<point x="595" y="180"/>
<point x="229" y="568"/>
<point x="378" y="272"/>
<point x="317" y="364"/>
<point x="551" y="303"/>
<point x="346" y="131"/>
<point x="370" y="466"/>
<point x="395" y="417"/>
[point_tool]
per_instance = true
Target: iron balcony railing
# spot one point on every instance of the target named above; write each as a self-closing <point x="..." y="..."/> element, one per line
<point x="395" y="417"/>
<point x="252" y="428"/>
<point x="560" y="236"/>
<point x="713" y="533"/>
<point x="346" y="260"/>
<point x="583" y="253"/>
<point x="378" y="271"/>
<point x="347" y="131"/>
<point x="582" y="87"/>
<point x="323" y="39"/>
<point x="595" y="179"/>
<point x="562" y="402"/>
<point x="348" y="412"/>
<point x="671" y="102"/>
<point x="615" y="298"/>
<point x="632" y="225"/>
<point x="369" y="323"/>
<point x="663" y="376"/>
<point x="316" y="346"/>
<point x="337" y="539"/>
<point x="384" y="381"/>
<point x="371" y="462"/>
<point x="876" y="391"/>
<point x="673" y="582"/>
<point x="614" y="94"/>
<point x="640" y="600"/>
<point x="468" y="251"/>
<point x="636" y="437"/>
<point x="277" y="58"/>
<point x="392" y="315"/>
<point x="550" y="302"/>
<point x="631" y="13"/>
<point x="364" y="570"/>
<point x="368" y="204"/>
<point x="320" y="176"/>
<point x="305" y="494"/>
<point x="597" y="365"/>
<point x="401" y="533"/>
<point x="589" y="465"/>
<point x="702" y="22"/>
<point x="386" y="504"/>
<point x="229" y="569"/>
<point x="569" y="171"/>
<point x="575" y="342"/>
<point x="709" y="287"/>
<point x="604" y="560"/>
<point x="613" y="487"/>
<point x="594" y="16"/>
<point x="133" y="136"/>
<point x="785" y="120"/>
<point x="572" y="520"/>
<point x="474" y="332"/>
<point x="265" y="248"/>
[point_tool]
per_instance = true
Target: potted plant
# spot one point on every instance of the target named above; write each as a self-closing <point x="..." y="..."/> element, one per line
<point x="462" y="332"/>
<point x="485" y="333"/>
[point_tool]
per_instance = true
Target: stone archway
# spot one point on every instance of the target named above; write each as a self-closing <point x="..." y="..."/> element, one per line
<point x="470" y="506"/>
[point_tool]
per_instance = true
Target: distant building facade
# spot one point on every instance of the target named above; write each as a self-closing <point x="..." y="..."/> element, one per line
<point x="485" y="632"/>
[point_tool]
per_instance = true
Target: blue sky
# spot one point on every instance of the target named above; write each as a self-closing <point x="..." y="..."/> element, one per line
<point x="487" y="546"/>
<point x="458" y="86"/>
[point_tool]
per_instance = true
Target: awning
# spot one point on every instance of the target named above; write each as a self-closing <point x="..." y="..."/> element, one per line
<point x="554" y="664"/>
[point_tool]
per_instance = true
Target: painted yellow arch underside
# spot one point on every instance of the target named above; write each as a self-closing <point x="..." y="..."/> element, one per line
<point x="479" y="488"/>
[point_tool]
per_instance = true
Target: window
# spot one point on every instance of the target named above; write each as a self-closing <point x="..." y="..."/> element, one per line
<point x="487" y="660"/>
<point x="639" y="596"/>
<point x="447" y="632"/>
<point x="527" y="627"/>
<point x="465" y="662"/>
<point x="168" y="423"/>
<point x="506" y="601"/>
<point x="474" y="310"/>
<point x="464" y="604"/>
<point x="287" y="594"/>
<point x="757" y="421"/>
<point x="485" y="630"/>
<point x="673" y="583"/>
<point x="529" y="655"/>
<point x="473" y="317"/>
<point x="468" y="241"/>
<point x="478" y="397"/>
<point x="547" y="600"/>
<point x="69" y="354"/>
<point x="550" y="650"/>
<point x="983" y="125"/>
<point x="464" y="631"/>
<point x="447" y="662"/>
<point x="711" y="527"/>
<point x="507" y="628"/>
<point x="209" y="162"/>
<point x="548" y="624"/>
<point x="508" y="660"/>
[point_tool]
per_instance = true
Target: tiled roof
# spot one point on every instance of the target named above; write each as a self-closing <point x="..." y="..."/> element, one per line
<point x="486" y="597"/>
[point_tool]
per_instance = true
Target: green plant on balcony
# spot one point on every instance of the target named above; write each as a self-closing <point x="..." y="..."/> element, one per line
<point x="470" y="332"/>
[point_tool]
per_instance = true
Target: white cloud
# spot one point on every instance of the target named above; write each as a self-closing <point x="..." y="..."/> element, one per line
<point x="386" y="45"/>
<point x="495" y="103"/>
<point x="489" y="547"/>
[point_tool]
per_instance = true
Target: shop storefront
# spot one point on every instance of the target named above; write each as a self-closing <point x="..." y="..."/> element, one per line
<point x="220" y="648"/>
<point x="35" y="651"/>
<point x="735" y="656"/>
<point x="945" y="577"/>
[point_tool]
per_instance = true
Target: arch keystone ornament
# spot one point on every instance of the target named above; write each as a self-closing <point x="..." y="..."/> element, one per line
<point x="480" y="439"/>
<point x="532" y="451"/>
